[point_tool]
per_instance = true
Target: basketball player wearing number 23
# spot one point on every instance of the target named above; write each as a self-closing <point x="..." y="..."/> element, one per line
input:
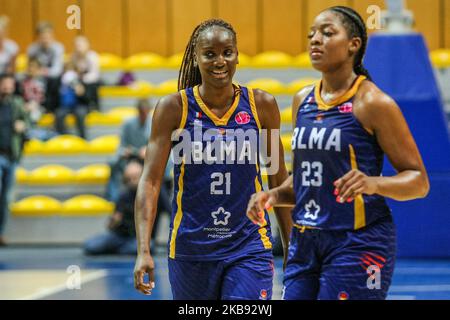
<point x="344" y="240"/>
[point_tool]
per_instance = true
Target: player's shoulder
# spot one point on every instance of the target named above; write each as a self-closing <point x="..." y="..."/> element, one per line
<point x="371" y="105"/>
<point x="299" y="97"/>
<point x="263" y="97"/>
<point x="169" y="109"/>
<point x="266" y="108"/>
<point x="170" y="102"/>
<point x="302" y="94"/>
<point x="371" y="98"/>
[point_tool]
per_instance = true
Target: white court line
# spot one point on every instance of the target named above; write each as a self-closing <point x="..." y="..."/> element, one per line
<point x="422" y="270"/>
<point x="277" y="292"/>
<point x="421" y="288"/>
<point x="400" y="297"/>
<point x="60" y="288"/>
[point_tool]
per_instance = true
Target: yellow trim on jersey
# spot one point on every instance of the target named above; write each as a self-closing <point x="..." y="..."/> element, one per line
<point x="359" y="209"/>
<point x="184" y="99"/>
<point x="258" y="186"/>
<point x="302" y="228"/>
<point x="179" y="214"/>
<point x="217" y="121"/>
<point x="251" y="98"/>
<point x="321" y="105"/>
<point x="264" y="238"/>
<point x="263" y="230"/>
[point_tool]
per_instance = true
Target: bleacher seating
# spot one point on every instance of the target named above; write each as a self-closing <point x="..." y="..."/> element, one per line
<point x="144" y="61"/>
<point x="265" y="60"/>
<point x="41" y="206"/>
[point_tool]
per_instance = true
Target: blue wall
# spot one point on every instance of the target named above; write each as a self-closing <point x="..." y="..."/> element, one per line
<point x="400" y="66"/>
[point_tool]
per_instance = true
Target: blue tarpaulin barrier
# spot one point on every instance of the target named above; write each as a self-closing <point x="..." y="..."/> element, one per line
<point x="400" y="66"/>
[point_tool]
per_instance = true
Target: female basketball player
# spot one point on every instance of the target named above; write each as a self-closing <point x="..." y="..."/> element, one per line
<point x="343" y="242"/>
<point x="215" y="252"/>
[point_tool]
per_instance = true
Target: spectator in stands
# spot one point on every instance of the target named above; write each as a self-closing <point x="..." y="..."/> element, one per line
<point x="8" y="49"/>
<point x="33" y="92"/>
<point x="133" y="142"/>
<point x="87" y="62"/>
<point x="71" y="101"/>
<point x="13" y="126"/>
<point x="50" y="54"/>
<point x="121" y="235"/>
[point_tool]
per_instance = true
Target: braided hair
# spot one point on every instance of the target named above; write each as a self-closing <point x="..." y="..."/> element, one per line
<point x="189" y="75"/>
<point x="355" y="27"/>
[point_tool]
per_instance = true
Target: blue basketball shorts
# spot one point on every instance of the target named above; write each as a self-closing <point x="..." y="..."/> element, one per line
<point x="341" y="265"/>
<point x="246" y="277"/>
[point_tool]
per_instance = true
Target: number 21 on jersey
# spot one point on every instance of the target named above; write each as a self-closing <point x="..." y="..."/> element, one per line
<point x="221" y="182"/>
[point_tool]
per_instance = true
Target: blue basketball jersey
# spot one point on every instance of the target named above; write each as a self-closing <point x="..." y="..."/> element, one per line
<point x="328" y="141"/>
<point x="218" y="173"/>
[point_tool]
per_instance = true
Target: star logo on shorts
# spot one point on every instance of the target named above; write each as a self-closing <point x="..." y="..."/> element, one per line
<point x="312" y="210"/>
<point x="221" y="216"/>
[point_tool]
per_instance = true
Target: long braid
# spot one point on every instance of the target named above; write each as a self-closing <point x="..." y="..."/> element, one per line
<point x="356" y="28"/>
<point x="189" y="74"/>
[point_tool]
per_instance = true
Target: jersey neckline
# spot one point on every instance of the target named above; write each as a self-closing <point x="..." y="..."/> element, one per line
<point x="339" y="100"/>
<point x="226" y="117"/>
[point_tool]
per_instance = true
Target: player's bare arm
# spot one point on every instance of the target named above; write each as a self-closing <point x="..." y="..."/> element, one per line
<point x="166" y="119"/>
<point x="381" y="116"/>
<point x="269" y="114"/>
<point x="282" y="195"/>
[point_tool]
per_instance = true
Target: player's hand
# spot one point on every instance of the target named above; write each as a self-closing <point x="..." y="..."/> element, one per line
<point x="144" y="265"/>
<point x="353" y="184"/>
<point x="263" y="200"/>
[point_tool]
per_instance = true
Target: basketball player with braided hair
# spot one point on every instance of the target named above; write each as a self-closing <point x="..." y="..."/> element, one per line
<point x="343" y="242"/>
<point x="215" y="252"/>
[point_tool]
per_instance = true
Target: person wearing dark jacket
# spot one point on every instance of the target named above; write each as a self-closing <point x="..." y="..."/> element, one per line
<point x="14" y="123"/>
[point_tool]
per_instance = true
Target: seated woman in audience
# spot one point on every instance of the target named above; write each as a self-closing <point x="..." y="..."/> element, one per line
<point x="32" y="89"/>
<point x="86" y="62"/>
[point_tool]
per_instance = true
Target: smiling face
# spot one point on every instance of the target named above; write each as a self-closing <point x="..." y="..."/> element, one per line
<point x="329" y="44"/>
<point x="216" y="56"/>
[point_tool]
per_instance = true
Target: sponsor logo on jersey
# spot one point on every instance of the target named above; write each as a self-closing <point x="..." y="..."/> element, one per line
<point x="220" y="217"/>
<point x="312" y="210"/>
<point x="319" y="118"/>
<point x="316" y="139"/>
<point x="343" y="295"/>
<point x="263" y="294"/>
<point x="372" y="259"/>
<point x="346" y="108"/>
<point x="209" y="144"/>
<point x="310" y="100"/>
<point x="242" y="117"/>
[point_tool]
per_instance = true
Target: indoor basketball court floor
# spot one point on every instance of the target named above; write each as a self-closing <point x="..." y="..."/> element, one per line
<point x="51" y="273"/>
